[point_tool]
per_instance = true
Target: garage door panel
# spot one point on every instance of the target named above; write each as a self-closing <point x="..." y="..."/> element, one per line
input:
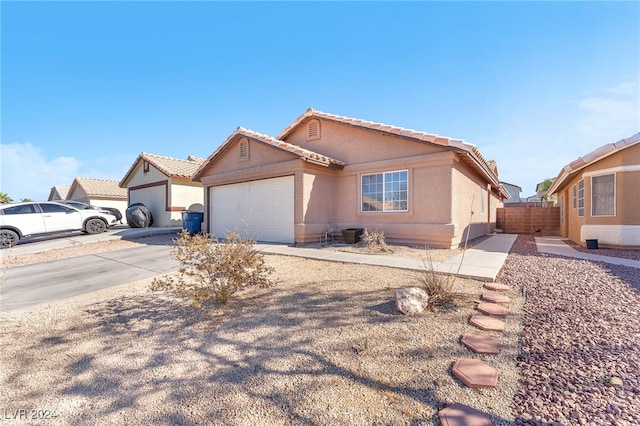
<point x="266" y="205"/>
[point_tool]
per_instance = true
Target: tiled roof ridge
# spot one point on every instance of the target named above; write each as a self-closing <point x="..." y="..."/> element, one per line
<point x="458" y="144"/>
<point x="190" y="158"/>
<point x="100" y="179"/>
<point x="88" y="185"/>
<point x="591" y="157"/>
<point x="296" y="149"/>
<point x="269" y="140"/>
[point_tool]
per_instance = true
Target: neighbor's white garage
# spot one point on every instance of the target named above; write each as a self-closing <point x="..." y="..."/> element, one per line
<point x="266" y="205"/>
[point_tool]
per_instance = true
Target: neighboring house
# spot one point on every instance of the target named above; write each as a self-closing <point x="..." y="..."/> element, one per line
<point x="99" y="192"/>
<point x="599" y="195"/>
<point x="543" y="196"/>
<point x="514" y="191"/>
<point x="326" y="171"/>
<point x="164" y="185"/>
<point x="59" y="192"/>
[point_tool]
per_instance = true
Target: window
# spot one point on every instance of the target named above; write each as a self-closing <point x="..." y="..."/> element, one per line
<point x="574" y="197"/>
<point x="562" y="209"/>
<point x="55" y="208"/>
<point x="581" y="198"/>
<point x="313" y="130"/>
<point x="244" y="150"/>
<point x="603" y="195"/>
<point x="386" y="192"/>
<point x="482" y="192"/>
<point x="21" y="209"/>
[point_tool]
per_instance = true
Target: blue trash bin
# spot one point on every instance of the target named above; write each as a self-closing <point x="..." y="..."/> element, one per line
<point x="192" y="221"/>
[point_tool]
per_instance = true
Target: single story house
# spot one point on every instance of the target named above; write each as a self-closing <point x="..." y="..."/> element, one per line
<point x="599" y="195"/>
<point x="99" y="192"/>
<point x="164" y="186"/>
<point x="326" y="171"/>
<point x="59" y="192"/>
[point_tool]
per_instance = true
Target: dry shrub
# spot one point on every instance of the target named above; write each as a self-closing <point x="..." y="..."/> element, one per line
<point x="213" y="270"/>
<point x="374" y="241"/>
<point x="441" y="288"/>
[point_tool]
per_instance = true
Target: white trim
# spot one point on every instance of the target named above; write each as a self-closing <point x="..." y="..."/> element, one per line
<point x="610" y="170"/>
<point x="615" y="235"/>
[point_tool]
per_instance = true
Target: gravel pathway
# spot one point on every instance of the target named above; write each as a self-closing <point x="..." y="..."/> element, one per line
<point x="580" y="355"/>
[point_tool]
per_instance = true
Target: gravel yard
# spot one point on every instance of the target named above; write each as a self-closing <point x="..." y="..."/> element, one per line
<point x="326" y="346"/>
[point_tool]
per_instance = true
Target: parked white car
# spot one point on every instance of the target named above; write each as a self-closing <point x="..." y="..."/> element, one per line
<point x="20" y="220"/>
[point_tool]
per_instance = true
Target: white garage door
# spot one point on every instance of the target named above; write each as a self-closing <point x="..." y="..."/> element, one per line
<point x="266" y="206"/>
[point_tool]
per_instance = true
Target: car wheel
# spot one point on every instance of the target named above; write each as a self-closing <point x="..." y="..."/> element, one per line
<point x="8" y="238"/>
<point x="95" y="226"/>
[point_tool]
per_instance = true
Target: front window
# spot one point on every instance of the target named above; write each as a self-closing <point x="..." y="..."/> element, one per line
<point x="581" y="198"/>
<point x="603" y="195"/>
<point x="385" y="192"/>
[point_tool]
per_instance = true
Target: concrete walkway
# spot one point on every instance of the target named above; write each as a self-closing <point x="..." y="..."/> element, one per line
<point x="482" y="262"/>
<point x="557" y="246"/>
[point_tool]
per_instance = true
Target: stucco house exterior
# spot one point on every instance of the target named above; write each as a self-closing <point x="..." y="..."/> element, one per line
<point x="99" y="192"/>
<point x="326" y="171"/>
<point x="164" y="185"/>
<point x="599" y="195"/>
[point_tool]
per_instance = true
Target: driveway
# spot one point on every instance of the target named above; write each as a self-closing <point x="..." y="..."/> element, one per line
<point x="39" y="283"/>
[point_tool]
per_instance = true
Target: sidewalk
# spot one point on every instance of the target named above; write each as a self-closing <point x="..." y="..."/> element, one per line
<point x="557" y="246"/>
<point x="482" y="262"/>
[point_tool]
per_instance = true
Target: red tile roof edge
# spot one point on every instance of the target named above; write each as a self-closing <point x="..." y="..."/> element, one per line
<point x="590" y="158"/>
<point x="457" y="144"/>
<point x="303" y="153"/>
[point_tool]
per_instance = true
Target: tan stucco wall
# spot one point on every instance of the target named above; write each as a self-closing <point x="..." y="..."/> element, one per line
<point x="324" y="195"/>
<point x="624" y="165"/>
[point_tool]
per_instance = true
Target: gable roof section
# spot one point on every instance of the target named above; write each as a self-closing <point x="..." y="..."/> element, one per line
<point x="241" y="132"/>
<point x="598" y="154"/>
<point x="60" y="190"/>
<point x="169" y="166"/>
<point x="103" y="188"/>
<point x="469" y="152"/>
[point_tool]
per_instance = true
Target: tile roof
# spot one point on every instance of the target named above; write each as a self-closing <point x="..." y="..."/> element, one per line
<point x="590" y="158"/>
<point x="94" y="187"/>
<point x="473" y="156"/>
<point x="59" y="192"/>
<point x="169" y="166"/>
<point x="304" y="154"/>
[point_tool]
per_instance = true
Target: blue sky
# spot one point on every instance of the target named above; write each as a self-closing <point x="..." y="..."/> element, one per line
<point x="87" y="86"/>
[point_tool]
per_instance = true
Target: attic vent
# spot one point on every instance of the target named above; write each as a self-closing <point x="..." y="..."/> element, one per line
<point x="313" y="130"/>
<point x="145" y="166"/>
<point x="244" y="150"/>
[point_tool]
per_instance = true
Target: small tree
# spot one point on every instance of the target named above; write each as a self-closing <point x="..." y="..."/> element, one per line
<point x="5" y="199"/>
<point x="214" y="270"/>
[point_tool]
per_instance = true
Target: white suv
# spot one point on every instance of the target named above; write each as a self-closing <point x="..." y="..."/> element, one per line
<point x="21" y="220"/>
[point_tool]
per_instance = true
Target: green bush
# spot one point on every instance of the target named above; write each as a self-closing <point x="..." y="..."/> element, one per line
<point x="212" y="270"/>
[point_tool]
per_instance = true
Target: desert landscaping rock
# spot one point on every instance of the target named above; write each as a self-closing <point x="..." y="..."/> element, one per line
<point x="582" y="327"/>
<point x="411" y="301"/>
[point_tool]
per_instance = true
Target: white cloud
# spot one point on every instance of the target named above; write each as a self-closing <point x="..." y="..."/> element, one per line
<point x="27" y="173"/>
<point x="610" y="116"/>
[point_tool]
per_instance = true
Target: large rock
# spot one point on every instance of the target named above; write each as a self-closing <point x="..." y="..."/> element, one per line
<point x="411" y="301"/>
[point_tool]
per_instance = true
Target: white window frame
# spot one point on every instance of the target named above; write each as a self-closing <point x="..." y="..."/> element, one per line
<point x="614" y="195"/>
<point x="574" y="197"/>
<point x="384" y="181"/>
<point x="581" y="198"/>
